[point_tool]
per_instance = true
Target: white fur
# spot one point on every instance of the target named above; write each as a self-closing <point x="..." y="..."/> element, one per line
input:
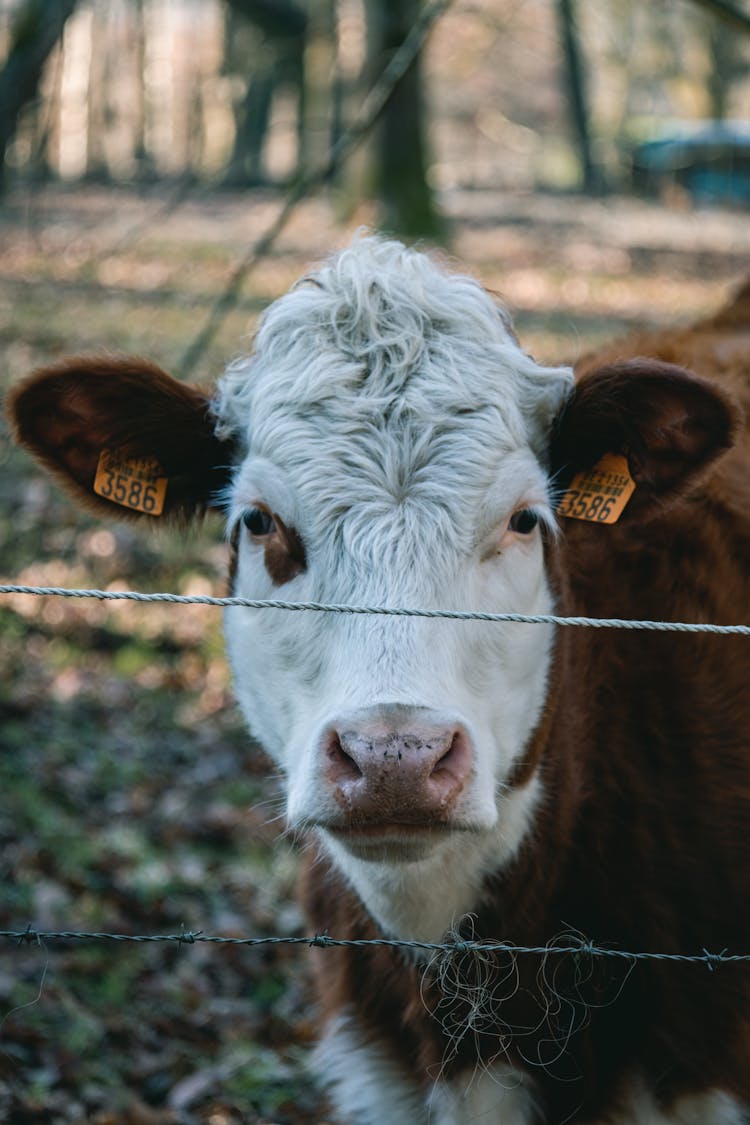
<point x="419" y="901"/>
<point x="713" y="1107"/>
<point x="497" y="1095"/>
<point x="503" y="1096"/>
<point x="367" y="1084"/>
<point x="370" y="1086"/>
<point x="390" y="417"/>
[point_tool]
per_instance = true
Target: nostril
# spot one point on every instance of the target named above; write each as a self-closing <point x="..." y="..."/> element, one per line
<point x="455" y="763"/>
<point x="382" y="771"/>
<point x="341" y="766"/>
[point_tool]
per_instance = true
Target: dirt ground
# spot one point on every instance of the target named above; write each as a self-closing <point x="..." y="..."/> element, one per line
<point x="131" y="799"/>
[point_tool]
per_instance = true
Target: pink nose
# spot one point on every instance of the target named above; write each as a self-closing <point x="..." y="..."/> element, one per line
<point x="396" y="765"/>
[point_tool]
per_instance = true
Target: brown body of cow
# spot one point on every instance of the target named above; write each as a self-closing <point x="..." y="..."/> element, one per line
<point x="642" y="846"/>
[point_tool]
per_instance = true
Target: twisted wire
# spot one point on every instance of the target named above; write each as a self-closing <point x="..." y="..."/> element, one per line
<point x="32" y="936"/>
<point x="389" y="611"/>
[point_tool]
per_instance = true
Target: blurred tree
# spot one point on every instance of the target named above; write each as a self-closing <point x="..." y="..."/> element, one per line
<point x="728" y="64"/>
<point x="713" y="25"/>
<point x="99" y="107"/>
<point x="270" y="56"/>
<point x="727" y="11"/>
<point x="321" y="84"/>
<point x="37" y="27"/>
<point x="576" y="93"/>
<point x="142" y="157"/>
<point x="281" y="18"/>
<point x="400" y="144"/>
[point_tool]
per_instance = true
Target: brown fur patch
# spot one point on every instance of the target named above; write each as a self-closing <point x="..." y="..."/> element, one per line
<point x="284" y="551"/>
<point x="285" y="554"/>
<point x="67" y="414"/>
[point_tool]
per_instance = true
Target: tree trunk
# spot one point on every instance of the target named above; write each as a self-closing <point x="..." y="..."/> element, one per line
<point x="727" y="11"/>
<point x="37" y="27"/>
<point x="279" y="18"/>
<point x="575" y="89"/>
<point x="245" y="166"/>
<point x="729" y="64"/>
<point x="316" y="84"/>
<point x="144" y="162"/>
<point x="98" y="105"/>
<point x="400" y="148"/>
<point x="273" y="56"/>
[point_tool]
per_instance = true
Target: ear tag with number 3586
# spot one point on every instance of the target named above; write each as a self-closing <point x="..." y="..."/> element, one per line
<point x="599" y="494"/>
<point x="132" y="482"/>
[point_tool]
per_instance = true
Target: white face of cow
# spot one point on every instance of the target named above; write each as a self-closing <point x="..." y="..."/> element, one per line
<point x="396" y="438"/>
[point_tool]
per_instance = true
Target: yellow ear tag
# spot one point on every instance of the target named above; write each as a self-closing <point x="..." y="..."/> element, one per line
<point x="600" y="493"/>
<point x="132" y="482"/>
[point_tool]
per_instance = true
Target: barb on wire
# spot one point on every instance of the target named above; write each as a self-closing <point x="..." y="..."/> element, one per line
<point x="386" y="611"/>
<point x="586" y="948"/>
<point x="368" y="114"/>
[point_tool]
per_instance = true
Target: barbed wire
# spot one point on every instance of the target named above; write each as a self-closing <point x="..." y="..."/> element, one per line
<point x="32" y="936"/>
<point x="386" y="611"/>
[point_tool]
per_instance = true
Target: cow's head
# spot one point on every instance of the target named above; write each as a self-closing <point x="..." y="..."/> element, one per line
<point x="387" y="443"/>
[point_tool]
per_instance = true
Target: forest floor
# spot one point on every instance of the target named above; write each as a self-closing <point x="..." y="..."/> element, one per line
<point x="131" y="799"/>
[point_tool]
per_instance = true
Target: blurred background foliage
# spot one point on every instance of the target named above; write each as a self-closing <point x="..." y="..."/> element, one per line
<point x="586" y="161"/>
<point x="508" y="94"/>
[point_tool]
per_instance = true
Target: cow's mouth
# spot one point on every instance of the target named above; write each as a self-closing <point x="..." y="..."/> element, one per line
<point x="392" y="841"/>
<point x="387" y="829"/>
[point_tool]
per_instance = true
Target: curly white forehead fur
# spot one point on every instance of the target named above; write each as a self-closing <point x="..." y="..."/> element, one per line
<point x="381" y="333"/>
<point x="390" y="399"/>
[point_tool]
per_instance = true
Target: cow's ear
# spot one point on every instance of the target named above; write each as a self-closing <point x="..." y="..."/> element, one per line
<point x="122" y="436"/>
<point x="668" y="423"/>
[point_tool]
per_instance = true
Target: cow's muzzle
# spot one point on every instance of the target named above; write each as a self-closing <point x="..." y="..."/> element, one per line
<point x="392" y="766"/>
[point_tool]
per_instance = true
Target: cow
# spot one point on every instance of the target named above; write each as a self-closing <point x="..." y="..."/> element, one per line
<point x="388" y="443"/>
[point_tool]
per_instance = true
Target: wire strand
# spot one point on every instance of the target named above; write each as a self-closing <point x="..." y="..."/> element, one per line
<point x="31" y="936"/>
<point x="388" y="611"/>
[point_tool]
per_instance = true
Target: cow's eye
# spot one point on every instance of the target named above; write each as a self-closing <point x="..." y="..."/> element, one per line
<point x="258" y="521"/>
<point x="523" y="521"/>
